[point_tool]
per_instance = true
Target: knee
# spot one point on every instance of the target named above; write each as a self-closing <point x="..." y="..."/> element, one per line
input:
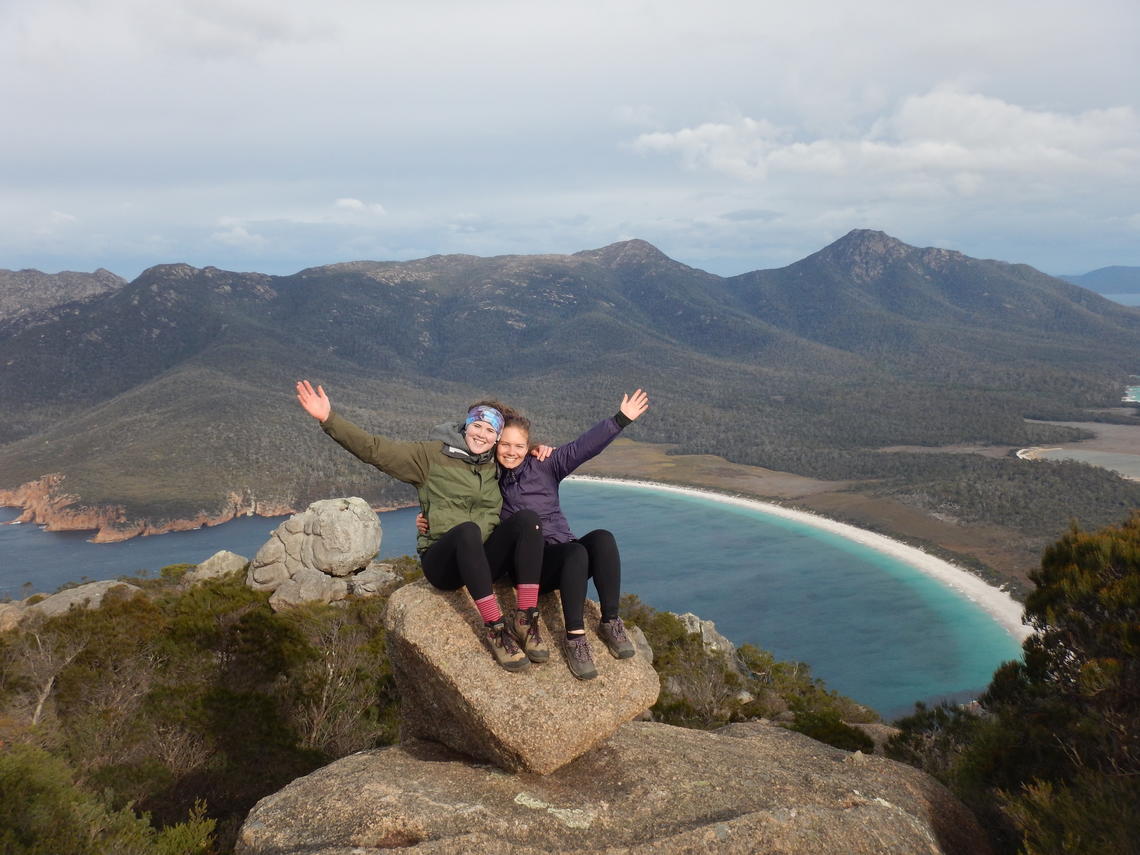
<point x="605" y="537"/>
<point x="600" y="539"/>
<point x="468" y="534"/>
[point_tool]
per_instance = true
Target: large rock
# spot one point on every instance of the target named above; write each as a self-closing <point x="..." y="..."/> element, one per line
<point x="313" y="555"/>
<point x="221" y="563"/>
<point x="11" y="615"/>
<point x="375" y="579"/>
<point x="451" y="690"/>
<point x="652" y="789"/>
<point x="89" y="596"/>
<point x="713" y="641"/>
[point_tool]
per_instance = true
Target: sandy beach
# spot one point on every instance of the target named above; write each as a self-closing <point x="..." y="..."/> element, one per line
<point x="994" y="601"/>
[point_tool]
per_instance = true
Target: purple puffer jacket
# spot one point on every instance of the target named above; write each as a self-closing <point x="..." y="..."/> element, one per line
<point x="533" y="484"/>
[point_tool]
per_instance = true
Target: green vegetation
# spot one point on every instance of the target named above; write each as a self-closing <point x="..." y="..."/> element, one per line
<point x="44" y="812"/>
<point x="154" y="723"/>
<point x="188" y="705"/>
<point x="1051" y="761"/>
<point x="705" y="688"/>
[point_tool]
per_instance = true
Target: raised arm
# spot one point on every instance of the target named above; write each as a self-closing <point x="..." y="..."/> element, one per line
<point x="565" y="459"/>
<point x="406" y="461"/>
<point x="634" y="405"/>
<point x="316" y="403"/>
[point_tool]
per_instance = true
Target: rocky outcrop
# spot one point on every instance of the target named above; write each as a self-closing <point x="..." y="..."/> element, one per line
<point x="713" y="641"/>
<point x="452" y="692"/>
<point x="221" y="563"/>
<point x="651" y="788"/>
<point x="375" y="579"/>
<point x="314" y="555"/>
<point x="11" y="616"/>
<point x="46" y="503"/>
<point x="89" y="596"/>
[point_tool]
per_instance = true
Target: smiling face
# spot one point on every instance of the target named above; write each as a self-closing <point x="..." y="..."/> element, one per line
<point x="513" y="446"/>
<point x="480" y="437"/>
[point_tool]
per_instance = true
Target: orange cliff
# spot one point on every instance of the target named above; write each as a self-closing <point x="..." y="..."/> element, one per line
<point x="45" y="503"/>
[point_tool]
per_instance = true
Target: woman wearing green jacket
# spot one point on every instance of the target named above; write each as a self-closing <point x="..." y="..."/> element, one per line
<point x="467" y="545"/>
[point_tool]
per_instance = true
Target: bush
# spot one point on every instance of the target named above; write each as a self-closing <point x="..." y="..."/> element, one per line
<point x="703" y="688"/>
<point x="826" y="727"/>
<point x="44" y="812"/>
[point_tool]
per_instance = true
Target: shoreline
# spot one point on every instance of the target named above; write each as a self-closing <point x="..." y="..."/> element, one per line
<point x="995" y="602"/>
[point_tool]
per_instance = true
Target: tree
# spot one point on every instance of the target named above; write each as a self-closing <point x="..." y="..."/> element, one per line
<point x="1058" y="744"/>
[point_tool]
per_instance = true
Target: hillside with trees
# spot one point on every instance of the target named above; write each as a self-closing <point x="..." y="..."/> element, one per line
<point x="171" y="396"/>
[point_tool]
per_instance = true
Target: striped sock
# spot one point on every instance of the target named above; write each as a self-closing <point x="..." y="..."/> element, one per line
<point x="527" y="596"/>
<point x="489" y="609"/>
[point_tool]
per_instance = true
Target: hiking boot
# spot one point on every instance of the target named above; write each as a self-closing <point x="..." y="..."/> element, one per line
<point x="579" y="657"/>
<point x="503" y="646"/>
<point x="613" y="634"/>
<point x="525" y="630"/>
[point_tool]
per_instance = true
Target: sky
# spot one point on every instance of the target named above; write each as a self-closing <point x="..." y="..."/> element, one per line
<point x="275" y="135"/>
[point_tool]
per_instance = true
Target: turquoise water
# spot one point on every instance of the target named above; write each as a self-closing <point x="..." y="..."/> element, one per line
<point x="869" y="625"/>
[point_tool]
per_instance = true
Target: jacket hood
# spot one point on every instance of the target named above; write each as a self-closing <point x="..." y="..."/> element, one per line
<point x="454" y="445"/>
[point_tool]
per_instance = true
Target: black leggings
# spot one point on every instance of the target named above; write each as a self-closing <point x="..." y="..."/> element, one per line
<point x="567" y="566"/>
<point x="461" y="558"/>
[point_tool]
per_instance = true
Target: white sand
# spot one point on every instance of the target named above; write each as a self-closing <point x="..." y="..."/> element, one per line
<point x="994" y="601"/>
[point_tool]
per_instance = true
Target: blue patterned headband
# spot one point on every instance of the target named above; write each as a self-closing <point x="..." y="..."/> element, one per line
<point x="486" y="414"/>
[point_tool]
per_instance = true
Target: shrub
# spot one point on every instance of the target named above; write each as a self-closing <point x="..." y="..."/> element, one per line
<point x="44" y="812"/>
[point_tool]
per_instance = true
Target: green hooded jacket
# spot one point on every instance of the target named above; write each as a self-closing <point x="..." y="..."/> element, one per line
<point x="453" y="484"/>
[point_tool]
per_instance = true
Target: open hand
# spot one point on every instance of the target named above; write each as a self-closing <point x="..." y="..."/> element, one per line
<point x="542" y="451"/>
<point x="634" y="405"/>
<point x="316" y="403"/>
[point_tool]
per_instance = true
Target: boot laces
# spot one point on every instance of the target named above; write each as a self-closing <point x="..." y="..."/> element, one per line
<point x="617" y="629"/>
<point x="502" y="636"/>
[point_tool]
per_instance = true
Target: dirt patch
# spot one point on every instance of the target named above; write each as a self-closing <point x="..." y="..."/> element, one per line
<point x="981" y="450"/>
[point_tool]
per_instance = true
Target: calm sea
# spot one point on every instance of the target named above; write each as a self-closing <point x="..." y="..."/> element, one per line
<point x="870" y="626"/>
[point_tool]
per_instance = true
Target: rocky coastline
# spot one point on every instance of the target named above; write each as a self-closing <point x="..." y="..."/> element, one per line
<point x="45" y="502"/>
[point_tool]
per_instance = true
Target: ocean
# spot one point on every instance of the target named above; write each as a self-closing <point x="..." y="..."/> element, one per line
<point x="869" y="625"/>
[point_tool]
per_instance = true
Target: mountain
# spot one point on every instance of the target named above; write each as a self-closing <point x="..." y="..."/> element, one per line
<point x="25" y="292"/>
<point x="171" y="396"/>
<point x="1109" y="280"/>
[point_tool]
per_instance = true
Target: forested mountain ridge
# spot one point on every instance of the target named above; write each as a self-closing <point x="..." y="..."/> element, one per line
<point x="171" y="394"/>
<point x="28" y="291"/>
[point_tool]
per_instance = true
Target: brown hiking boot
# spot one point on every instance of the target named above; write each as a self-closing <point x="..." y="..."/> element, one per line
<point x="613" y="635"/>
<point x="525" y="630"/>
<point x="579" y="657"/>
<point x="503" y="646"/>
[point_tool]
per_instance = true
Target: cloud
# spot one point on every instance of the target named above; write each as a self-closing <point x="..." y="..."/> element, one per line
<point x="357" y="205"/>
<point x="746" y="215"/>
<point x="942" y="142"/>
<point x="239" y="236"/>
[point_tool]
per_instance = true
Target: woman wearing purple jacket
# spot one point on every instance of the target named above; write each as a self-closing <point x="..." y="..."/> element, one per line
<point x="528" y="483"/>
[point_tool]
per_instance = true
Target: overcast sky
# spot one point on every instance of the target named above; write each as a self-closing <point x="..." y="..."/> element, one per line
<point x="274" y="135"/>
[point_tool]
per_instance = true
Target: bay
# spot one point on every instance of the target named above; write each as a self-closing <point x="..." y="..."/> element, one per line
<point x="869" y="625"/>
